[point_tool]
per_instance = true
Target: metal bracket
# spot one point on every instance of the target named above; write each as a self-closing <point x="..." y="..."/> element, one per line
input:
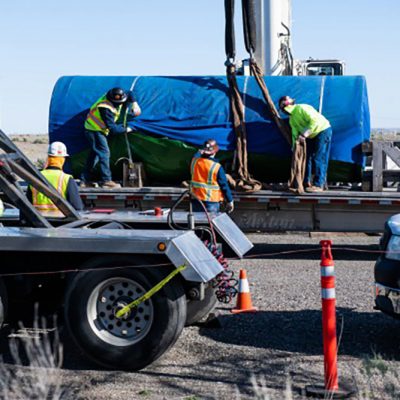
<point x="380" y="151"/>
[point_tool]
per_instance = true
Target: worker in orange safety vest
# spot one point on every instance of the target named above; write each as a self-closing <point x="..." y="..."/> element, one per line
<point x="208" y="180"/>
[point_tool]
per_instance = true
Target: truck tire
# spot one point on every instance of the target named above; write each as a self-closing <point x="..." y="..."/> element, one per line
<point x="3" y="303"/>
<point x="196" y="310"/>
<point x="146" y="333"/>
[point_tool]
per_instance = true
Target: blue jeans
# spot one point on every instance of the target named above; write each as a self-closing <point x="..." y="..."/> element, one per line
<point x="99" y="153"/>
<point x="211" y="206"/>
<point x="318" y="150"/>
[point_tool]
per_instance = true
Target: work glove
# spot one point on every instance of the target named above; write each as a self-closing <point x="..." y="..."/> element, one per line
<point x="136" y="111"/>
<point x="230" y="207"/>
<point x="129" y="129"/>
<point x="301" y="139"/>
<point x="306" y="133"/>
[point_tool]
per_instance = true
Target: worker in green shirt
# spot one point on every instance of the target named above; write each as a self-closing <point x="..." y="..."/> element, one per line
<point x="309" y="125"/>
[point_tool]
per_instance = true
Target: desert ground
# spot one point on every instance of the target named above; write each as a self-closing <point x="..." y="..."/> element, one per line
<point x="33" y="146"/>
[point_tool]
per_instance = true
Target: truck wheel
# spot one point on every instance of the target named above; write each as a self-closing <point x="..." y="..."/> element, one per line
<point x="139" y="338"/>
<point x="3" y="303"/>
<point x="196" y="310"/>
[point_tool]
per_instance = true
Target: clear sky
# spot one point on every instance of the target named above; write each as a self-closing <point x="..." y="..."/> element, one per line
<point x="43" y="39"/>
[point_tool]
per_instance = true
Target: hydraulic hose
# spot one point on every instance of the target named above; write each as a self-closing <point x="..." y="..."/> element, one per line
<point x="288" y="51"/>
<point x="175" y="226"/>
<point x="170" y="219"/>
<point x="225" y="284"/>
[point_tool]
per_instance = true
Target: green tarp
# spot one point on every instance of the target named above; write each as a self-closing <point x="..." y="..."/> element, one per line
<point x="166" y="161"/>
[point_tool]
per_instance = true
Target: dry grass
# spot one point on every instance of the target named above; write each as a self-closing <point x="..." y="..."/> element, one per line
<point x="40" y="353"/>
<point x="261" y="391"/>
<point x="41" y="377"/>
<point x="378" y="379"/>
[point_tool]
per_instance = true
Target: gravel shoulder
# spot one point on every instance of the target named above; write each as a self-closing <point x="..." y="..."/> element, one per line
<point x="279" y="344"/>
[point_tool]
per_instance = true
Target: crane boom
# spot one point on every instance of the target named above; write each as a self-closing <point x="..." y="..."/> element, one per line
<point x="274" y="43"/>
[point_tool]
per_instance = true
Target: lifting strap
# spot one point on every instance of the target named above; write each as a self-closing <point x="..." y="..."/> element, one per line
<point x="120" y="313"/>
<point x="250" y="38"/>
<point x="243" y="179"/>
<point x="298" y="167"/>
<point x="282" y="124"/>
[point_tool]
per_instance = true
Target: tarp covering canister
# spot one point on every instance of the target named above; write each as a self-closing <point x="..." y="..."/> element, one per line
<point x="180" y="113"/>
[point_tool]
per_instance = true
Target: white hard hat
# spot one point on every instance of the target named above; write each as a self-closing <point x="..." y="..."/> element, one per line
<point x="57" y="149"/>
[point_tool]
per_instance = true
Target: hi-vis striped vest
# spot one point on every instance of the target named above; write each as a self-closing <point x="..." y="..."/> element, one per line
<point x="42" y="203"/>
<point x="94" y="121"/>
<point x="204" y="179"/>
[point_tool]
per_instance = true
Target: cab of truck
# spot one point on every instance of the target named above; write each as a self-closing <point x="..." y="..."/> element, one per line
<point x="387" y="270"/>
<point x="313" y="67"/>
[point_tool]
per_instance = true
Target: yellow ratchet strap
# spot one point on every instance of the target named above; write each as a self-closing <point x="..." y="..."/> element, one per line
<point x="150" y="293"/>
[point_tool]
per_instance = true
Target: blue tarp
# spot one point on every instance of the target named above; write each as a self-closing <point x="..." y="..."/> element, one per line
<point x="195" y="108"/>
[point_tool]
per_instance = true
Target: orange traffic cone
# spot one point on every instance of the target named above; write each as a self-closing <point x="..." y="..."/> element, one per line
<point x="244" y="300"/>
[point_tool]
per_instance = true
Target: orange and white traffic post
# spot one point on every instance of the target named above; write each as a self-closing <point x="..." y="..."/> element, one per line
<point x="328" y="296"/>
<point x="244" y="304"/>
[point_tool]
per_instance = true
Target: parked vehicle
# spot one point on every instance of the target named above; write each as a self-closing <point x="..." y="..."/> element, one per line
<point x="387" y="270"/>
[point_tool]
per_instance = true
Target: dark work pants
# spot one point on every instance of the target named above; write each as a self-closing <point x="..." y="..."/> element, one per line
<point x="211" y="206"/>
<point x="99" y="153"/>
<point x="318" y="150"/>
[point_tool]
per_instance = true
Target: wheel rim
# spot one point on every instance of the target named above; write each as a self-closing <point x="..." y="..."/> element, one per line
<point x="110" y="296"/>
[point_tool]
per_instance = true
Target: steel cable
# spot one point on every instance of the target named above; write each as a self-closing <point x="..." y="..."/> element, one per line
<point x="252" y="256"/>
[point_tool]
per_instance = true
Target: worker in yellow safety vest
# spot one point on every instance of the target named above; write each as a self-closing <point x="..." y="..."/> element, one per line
<point x="309" y="125"/>
<point x="64" y="183"/>
<point x="104" y="119"/>
<point x="208" y="180"/>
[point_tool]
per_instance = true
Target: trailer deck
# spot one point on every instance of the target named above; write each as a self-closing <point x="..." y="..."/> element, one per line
<point x="267" y="210"/>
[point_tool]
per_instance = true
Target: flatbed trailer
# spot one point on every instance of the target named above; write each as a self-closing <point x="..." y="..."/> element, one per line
<point x="126" y="292"/>
<point x="267" y="210"/>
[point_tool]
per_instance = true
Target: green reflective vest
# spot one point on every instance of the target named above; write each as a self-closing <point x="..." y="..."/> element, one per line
<point x="94" y="122"/>
<point x="304" y="117"/>
<point x="43" y="204"/>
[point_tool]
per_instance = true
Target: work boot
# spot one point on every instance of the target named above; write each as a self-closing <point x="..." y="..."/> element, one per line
<point x="110" y="185"/>
<point x="88" y="184"/>
<point x="314" y="189"/>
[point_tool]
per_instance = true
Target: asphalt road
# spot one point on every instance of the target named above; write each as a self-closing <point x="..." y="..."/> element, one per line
<point x="279" y="346"/>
